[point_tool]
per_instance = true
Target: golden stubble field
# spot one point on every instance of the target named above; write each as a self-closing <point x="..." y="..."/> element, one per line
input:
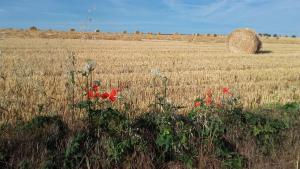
<point x="33" y="72"/>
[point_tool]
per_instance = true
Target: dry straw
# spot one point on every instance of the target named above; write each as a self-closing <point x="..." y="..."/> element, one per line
<point x="243" y="41"/>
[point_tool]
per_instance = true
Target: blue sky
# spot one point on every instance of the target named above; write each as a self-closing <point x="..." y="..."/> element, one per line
<point x="166" y="16"/>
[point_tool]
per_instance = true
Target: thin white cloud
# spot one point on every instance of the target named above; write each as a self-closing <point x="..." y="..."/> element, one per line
<point x="236" y="13"/>
<point x="188" y="10"/>
<point x="218" y="9"/>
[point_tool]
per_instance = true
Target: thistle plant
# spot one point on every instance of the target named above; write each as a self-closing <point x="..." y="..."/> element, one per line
<point x="70" y="85"/>
<point x="1" y="65"/>
<point x="160" y="87"/>
<point x="2" y="110"/>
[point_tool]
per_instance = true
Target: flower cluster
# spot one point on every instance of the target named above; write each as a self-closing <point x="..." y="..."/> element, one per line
<point x="207" y="100"/>
<point x="94" y="93"/>
<point x="89" y="66"/>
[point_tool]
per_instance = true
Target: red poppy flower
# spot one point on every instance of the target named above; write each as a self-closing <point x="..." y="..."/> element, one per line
<point x="197" y="104"/>
<point x="209" y="93"/>
<point x="90" y="94"/>
<point x="208" y="101"/>
<point x="113" y="95"/>
<point x="225" y="90"/>
<point x="97" y="95"/>
<point x="104" y="95"/>
<point x="95" y="87"/>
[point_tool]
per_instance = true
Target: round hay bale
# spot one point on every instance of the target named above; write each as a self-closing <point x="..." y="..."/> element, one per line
<point x="243" y="41"/>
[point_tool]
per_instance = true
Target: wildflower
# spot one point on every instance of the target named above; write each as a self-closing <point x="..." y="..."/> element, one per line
<point x="225" y="90"/>
<point x="197" y="104"/>
<point x="104" y="95"/>
<point x="97" y="95"/>
<point x="89" y="66"/>
<point x="208" y="101"/>
<point x="113" y="95"/>
<point x="95" y="87"/>
<point x="155" y="72"/>
<point x="90" y="94"/>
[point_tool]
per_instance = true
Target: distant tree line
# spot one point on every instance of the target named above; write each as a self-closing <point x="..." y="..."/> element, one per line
<point x="275" y="35"/>
<point x="34" y="28"/>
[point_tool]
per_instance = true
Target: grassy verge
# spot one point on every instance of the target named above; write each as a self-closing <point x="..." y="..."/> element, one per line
<point x="206" y="137"/>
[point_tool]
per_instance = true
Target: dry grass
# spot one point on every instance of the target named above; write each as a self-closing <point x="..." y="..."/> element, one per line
<point x="33" y="72"/>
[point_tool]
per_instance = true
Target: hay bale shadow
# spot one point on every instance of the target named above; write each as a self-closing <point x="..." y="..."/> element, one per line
<point x="264" y="52"/>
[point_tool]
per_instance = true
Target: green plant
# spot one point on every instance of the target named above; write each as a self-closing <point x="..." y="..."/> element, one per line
<point x="266" y="130"/>
<point x="117" y="149"/>
<point x="161" y="102"/>
<point x="55" y="128"/>
<point x="24" y="164"/>
<point x="109" y="120"/>
<point x="235" y="162"/>
<point x="75" y="151"/>
<point x="119" y="137"/>
<point x="4" y="155"/>
<point x="174" y="139"/>
<point x="70" y="84"/>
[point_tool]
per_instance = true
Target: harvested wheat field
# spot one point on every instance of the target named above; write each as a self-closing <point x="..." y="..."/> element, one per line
<point x="34" y="72"/>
